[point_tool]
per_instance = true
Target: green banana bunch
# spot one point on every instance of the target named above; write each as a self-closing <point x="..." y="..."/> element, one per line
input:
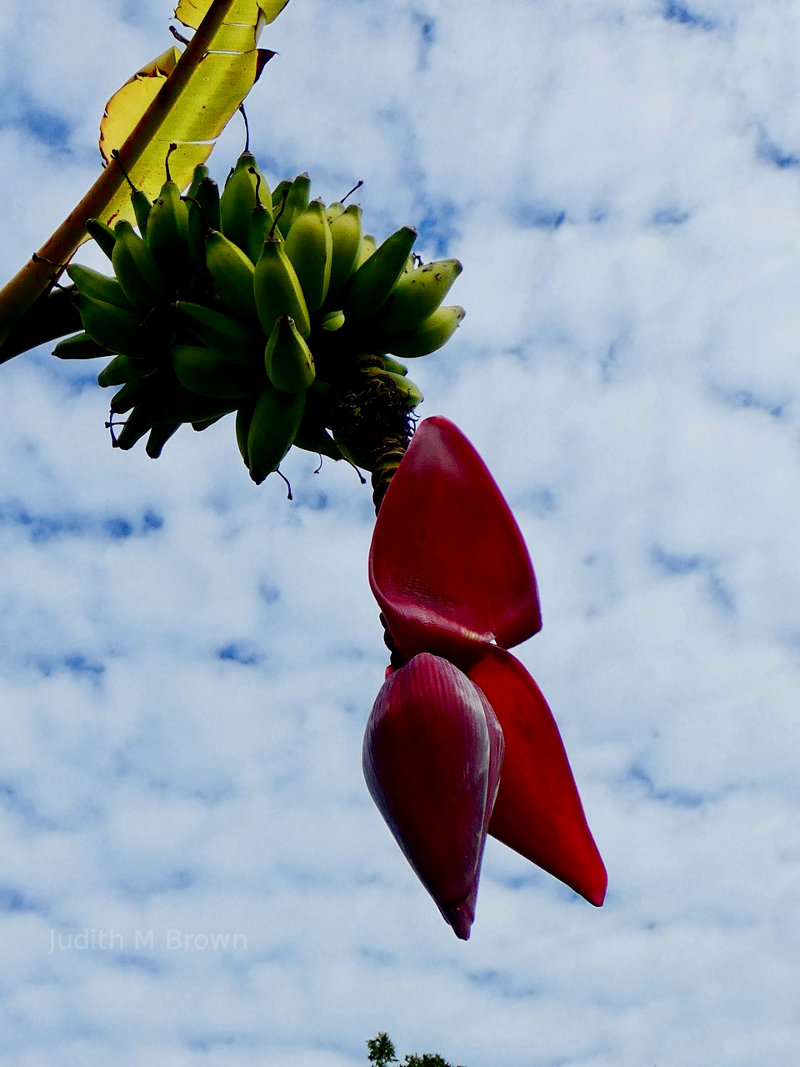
<point x="263" y="303"/>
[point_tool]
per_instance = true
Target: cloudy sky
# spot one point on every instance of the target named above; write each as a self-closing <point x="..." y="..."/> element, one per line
<point x="191" y="869"/>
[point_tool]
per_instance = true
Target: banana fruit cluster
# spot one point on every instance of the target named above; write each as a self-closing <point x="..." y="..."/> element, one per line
<point x="266" y="304"/>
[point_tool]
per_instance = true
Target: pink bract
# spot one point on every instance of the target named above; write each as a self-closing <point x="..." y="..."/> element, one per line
<point x="538" y="811"/>
<point x="432" y="756"/>
<point x="448" y="564"/>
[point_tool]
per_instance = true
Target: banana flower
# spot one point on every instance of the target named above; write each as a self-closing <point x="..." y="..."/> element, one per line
<point x="461" y="741"/>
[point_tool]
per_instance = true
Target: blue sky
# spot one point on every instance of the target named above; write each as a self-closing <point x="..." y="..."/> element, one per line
<point x="187" y="661"/>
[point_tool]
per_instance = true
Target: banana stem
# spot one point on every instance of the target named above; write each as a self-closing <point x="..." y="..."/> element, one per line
<point x="36" y="277"/>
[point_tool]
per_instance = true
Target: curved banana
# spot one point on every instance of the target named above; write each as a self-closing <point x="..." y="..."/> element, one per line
<point x="346" y="239"/>
<point x="417" y="294"/>
<point x="287" y="357"/>
<point x="333" y="210"/>
<point x="80" y="346"/>
<point x="140" y="202"/>
<point x="120" y="370"/>
<point x="309" y="247"/>
<point x="168" y="232"/>
<point x="102" y="234"/>
<point x="274" y="423"/>
<point x="277" y="289"/>
<point x="221" y="332"/>
<point x="115" y="328"/>
<point x="295" y="202"/>
<point x="431" y="334"/>
<point x="203" y="215"/>
<point x="207" y="373"/>
<point x="135" y="426"/>
<point x="98" y="285"/>
<point x="365" y="250"/>
<point x="261" y="222"/>
<point x="369" y="288"/>
<point x="333" y="321"/>
<point x="244" y="189"/>
<point x="158" y="437"/>
<point x="232" y="275"/>
<point x="138" y="273"/>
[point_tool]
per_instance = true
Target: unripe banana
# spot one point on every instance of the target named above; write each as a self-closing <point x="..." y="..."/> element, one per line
<point x="431" y="334"/>
<point x="168" y="232"/>
<point x="120" y="370"/>
<point x="309" y="247"/>
<point x="102" y="234"/>
<point x="417" y="295"/>
<point x="113" y="327"/>
<point x="244" y="189"/>
<point x="140" y="202"/>
<point x="287" y="357"/>
<point x="332" y="211"/>
<point x="232" y="275"/>
<point x="394" y="365"/>
<point x="279" y="193"/>
<point x="346" y="242"/>
<point x="275" y="421"/>
<point x="410" y="391"/>
<point x="131" y="394"/>
<point x="244" y="416"/>
<point x="365" y="250"/>
<point x="277" y="289"/>
<point x="313" y="437"/>
<point x="203" y="209"/>
<point x="199" y="174"/>
<point x="221" y="332"/>
<point x="158" y="437"/>
<point x="296" y="201"/>
<point x="208" y="373"/>
<point x="136" y="425"/>
<point x="136" y="269"/>
<point x="370" y="286"/>
<point x="80" y="346"/>
<point x="261" y="222"/>
<point x="333" y="321"/>
<point x="97" y="285"/>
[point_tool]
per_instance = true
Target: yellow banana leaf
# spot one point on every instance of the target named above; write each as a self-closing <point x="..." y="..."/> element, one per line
<point x="179" y="98"/>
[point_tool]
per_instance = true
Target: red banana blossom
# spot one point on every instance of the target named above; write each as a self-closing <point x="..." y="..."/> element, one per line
<point x="452" y="575"/>
<point x="432" y="756"/>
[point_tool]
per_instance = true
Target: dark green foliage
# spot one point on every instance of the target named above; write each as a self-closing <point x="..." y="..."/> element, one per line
<point x="381" y="1052"/>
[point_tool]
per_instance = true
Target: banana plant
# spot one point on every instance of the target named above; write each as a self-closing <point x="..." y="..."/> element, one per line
<point x="182" y="98"/>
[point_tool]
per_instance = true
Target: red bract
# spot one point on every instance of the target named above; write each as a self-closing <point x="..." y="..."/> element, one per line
<point x="538" y="811"/>
<point x="432" y="757"/>
<point x="448" y="564"/>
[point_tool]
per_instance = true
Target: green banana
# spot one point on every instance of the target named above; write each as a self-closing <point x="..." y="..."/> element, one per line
<point x="261" y="222"/>
<point x="136" y="269"/>
<point x="131" y="394"/>
<point x="102" y="234"/>
<point x="277" y="289"/>
<point x="207" y="373"/>
<point x="80" y="346"/>
<point x="244" y="416"/>
<point x="394" y="365"/>
<point x="296" y="201"/>
<point x="333" y="321"/>
<point x="366" y="249"/>
<point x="120" y="370"/>
<point x="232" y="275"/>
<point x="239" y="197"/>
<point x="287" y="357"/>
<point x="274" y="424"/>
<point x="136" y="425"/>
<point x="140" y="202"/>
<point x="431" y="334"/>
<point x="203" y="215"/>
<point x="417" y="295"/>
<point x="168" y="232"/>
<point x="280" y="191"/>
<point x="333" y="210"/>
<point x="369" y="288"/>
<point x="98" y="285"/>
<point x="199" y="174"/>
<point x="309" y="247"/>
<point x="313" y="437"/>
<point x="158" y="437"/>
<point x="346" y="240"/>
<point x="115" y="328"/>
<point x="220" y="332"/>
